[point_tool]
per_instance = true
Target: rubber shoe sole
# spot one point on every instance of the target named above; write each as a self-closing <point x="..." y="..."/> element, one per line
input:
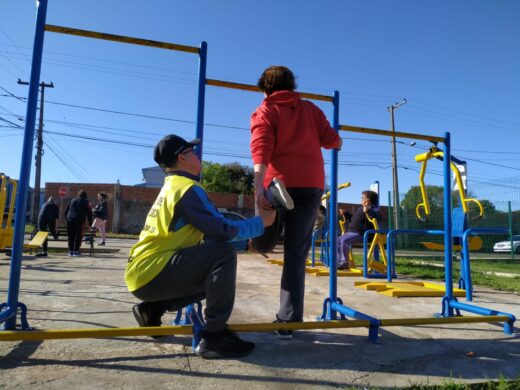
<point x="143" y="320"/>
<point x="211" y="354"/>
<point x="227" y="346"/>
<point x="280" y="195"/>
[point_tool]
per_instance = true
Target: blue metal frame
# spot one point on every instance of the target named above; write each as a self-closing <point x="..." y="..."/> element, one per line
<point x="8" y="314"/>
<point x="332" y="304"/>
<point x="465" y="259"/>
<point x="203" y="56"/>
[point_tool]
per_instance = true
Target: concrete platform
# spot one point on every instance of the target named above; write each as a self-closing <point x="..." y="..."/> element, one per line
<point x="89" y="292"/>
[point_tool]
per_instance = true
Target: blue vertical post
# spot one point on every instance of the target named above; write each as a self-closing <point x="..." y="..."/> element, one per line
<point x="203" y="55"/>
<point x="448" y="240"/>
<point x="333" y="220"/>
<point x="9" y="315"/>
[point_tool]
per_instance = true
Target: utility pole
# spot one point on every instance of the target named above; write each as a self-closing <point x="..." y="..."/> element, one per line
<point x="39" y="153"/>
<point x="391" y="109"/>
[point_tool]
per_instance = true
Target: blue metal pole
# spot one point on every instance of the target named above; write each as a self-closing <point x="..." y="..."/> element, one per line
<point x="448" y="255"/>
<point x="9" y="315"/>
<point x="465" y="249"/>
<point x="333" y="290"/>
<point x="203" y="55"/>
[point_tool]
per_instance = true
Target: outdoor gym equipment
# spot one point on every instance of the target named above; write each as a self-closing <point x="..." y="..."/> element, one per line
<point x="465" y="239"/>
<point x="324" y="233"/>
<point x="332" y="306"/>
<point x="434" y="152"/>
<point x="8" y="190"/>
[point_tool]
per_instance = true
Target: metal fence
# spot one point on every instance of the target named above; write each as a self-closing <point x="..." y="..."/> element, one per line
<point x="501" y="202"/>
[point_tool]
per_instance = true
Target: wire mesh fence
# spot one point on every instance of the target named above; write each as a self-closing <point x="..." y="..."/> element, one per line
<point x="501" y="209"/>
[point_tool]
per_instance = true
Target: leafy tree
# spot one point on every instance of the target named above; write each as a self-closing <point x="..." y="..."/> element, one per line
<point x="232" y="178"/>
<point x="413" y="197"/>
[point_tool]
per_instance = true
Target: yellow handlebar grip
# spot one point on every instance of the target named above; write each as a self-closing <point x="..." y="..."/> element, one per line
<point x="480" y="207"/>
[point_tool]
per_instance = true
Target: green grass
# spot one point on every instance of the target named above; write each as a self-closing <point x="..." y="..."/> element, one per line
<point x="451" y="384"/>
<point x="481" y="272"/>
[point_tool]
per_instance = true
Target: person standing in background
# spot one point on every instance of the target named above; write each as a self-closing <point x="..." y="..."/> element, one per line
<point x="77" y="210"/>
<point x="100" y="213"/>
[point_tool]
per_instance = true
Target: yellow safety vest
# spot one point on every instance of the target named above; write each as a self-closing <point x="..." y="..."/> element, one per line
<point x="157" y="243"/>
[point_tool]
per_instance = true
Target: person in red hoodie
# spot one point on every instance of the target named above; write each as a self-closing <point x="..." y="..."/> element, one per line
<point x="287" y="134"/>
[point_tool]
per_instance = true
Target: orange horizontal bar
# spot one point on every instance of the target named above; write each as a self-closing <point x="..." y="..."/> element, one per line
<point x="254" y="88"/>
<point x="120" y="38"/>
<point x="400" y="134"/>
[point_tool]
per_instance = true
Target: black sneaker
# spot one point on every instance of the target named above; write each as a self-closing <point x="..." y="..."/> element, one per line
<point x="277" y="194"/>
<point x="343" y="266"/>
<point x="147" y="315"/>
<point x="225" y="344"/>
<point x="283" y="334"/>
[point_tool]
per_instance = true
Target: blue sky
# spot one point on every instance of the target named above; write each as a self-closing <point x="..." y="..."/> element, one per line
<point x="456" y="62"/>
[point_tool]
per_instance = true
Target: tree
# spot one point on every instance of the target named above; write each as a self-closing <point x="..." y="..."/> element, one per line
<point x="413" y="197"/>
<point x="231" y="178"/>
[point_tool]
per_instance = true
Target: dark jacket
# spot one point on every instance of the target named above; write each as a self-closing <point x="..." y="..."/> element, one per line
<point x="78" y="209"/>
<point x="50" y="212"/>
<point x="359" y="223"/>
<point x="101" y="210"/>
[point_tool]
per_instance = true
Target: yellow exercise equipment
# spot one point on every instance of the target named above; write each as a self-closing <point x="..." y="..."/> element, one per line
<point x="424" y="205"/>
<point x="379" y="241"/>
<point x="8" y="191"/>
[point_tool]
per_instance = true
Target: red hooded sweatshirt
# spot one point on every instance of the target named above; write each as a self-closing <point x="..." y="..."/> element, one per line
<point x="287" y="134"/>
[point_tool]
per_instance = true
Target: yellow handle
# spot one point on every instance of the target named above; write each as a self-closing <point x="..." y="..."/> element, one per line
<point x="426" y="209"/>
<point x="480" y="207"/>
<point x="342" y="225"/>
<point x="373" y="221"/>
<point x="424" y="157"/>
<point x="340" y="187"/>
<point x="425" y="205"/>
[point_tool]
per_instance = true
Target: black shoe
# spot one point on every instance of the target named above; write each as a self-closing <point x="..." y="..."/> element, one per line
<point x="343" y="266"/>
<point x="147" y="315"/>
<point x="282" y="334"/>
<point x="277" y="194"/>
<point x="225" y="344"/>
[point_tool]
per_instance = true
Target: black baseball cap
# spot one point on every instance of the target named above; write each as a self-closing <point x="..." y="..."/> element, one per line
<point x="169" y="148"/>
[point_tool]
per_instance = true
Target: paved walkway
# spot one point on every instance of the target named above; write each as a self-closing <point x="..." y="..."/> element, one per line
<point x="88" y="292"/>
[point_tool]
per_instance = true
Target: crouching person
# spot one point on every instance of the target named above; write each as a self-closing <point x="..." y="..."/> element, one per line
<point x="184" y="252"/>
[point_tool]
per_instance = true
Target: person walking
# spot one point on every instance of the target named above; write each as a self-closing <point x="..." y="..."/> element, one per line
<point x="76" y="212"/>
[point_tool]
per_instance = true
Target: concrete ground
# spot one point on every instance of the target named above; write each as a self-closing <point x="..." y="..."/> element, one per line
<point x="88" y="292"/>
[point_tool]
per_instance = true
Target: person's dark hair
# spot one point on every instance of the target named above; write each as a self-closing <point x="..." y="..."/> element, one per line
<point x="82" y="194"/>
<point x="276" y="78"/>
<point x="372" y="196"/>
<point x="103" y="195"/>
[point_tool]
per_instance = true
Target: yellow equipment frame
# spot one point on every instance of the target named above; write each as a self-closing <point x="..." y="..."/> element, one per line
<point x="6" y="230"/>
<point x="436" y="153"/>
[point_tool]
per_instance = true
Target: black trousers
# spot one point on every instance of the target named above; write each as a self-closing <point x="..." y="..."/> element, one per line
<point x="47" y="226"/>
<point x="75" y="232"/>
<point x="297" y="225"/>
<point x="206" y="271"/>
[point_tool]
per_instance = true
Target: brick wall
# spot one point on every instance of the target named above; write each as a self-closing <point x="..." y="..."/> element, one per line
<point x="131" y="204"/>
